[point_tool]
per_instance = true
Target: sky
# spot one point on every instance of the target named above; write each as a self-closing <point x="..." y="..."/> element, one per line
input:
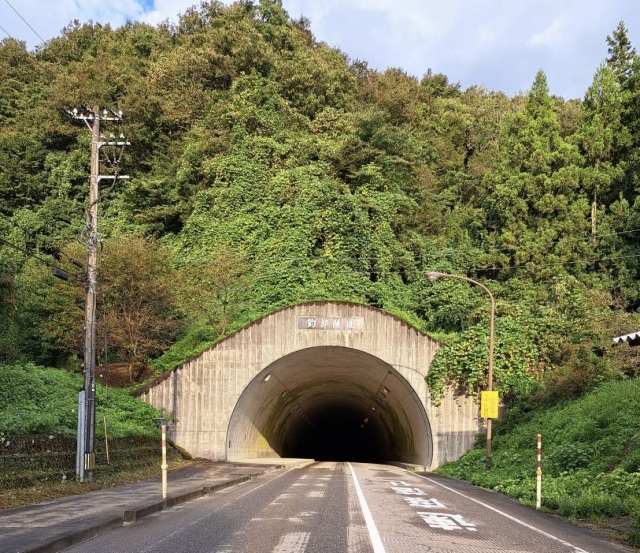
<point x="497" y="44"/>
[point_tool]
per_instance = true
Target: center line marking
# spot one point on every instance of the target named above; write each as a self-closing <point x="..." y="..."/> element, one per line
<point x="371" y="525"/>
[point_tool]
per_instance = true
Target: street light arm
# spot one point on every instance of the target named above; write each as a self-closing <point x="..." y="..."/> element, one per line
<point x="434" y="275"/>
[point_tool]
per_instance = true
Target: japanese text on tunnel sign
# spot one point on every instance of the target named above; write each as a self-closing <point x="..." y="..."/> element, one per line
<point x="331" y="323"/>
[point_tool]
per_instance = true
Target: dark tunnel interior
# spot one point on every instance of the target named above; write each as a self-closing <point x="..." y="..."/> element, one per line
<point x="337" y="436"/>
<point x="330" y="403"/>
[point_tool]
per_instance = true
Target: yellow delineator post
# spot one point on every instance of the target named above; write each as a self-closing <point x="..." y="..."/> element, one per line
<point x="162" y="424"/>
<point x="164" y="461"/>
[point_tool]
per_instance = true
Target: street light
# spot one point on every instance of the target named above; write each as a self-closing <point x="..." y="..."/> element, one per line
<point x="433" y="276"/>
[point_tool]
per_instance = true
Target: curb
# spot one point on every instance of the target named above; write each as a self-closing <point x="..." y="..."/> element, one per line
<point x="132" y="515"/>
<point x="411" y="467"/>
<point x="76" y="537"/>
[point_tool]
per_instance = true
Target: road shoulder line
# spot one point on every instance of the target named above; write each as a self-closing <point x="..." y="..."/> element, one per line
<point x="576" y="549"/>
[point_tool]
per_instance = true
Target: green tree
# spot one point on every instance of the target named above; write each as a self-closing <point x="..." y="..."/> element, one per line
<point x="136" y="300"/>
<point x="135" y="304"/>
<point x="602" y="138"/>
<point x="535" y="216"/>
<point x="622" y="55"/>
<point x="214" y="287"/>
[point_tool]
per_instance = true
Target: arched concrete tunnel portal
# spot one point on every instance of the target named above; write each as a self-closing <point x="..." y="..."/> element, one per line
<point x="330" y="403"/>
<point x="323" y="380"/>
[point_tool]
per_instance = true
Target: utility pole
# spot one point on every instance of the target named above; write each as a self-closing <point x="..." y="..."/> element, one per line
<point x="86" y="456"/>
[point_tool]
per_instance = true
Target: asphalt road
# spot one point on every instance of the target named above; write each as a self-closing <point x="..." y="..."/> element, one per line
<point x="354" y="508"/>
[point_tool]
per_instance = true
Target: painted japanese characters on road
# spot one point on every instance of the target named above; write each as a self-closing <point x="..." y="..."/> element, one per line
<point x="418" y="498"/>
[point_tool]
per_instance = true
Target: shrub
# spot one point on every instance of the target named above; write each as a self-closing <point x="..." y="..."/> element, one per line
<point x="37" y="400"/>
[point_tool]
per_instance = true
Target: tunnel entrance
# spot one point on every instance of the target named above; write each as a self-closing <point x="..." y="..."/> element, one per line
<point x="340" y="436"/>
<point x="318" y="379"/>
<point x="330" y="403"/>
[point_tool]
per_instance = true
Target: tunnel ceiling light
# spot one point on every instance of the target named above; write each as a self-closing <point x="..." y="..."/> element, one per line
<point x="266" y="378"/>
<point x="385" y="390"/>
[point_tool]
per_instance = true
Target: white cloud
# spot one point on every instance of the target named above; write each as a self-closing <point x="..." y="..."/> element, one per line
<point x="498" y="43"/>
<point x="167" y="10"/>
<point x="551" y="36"/>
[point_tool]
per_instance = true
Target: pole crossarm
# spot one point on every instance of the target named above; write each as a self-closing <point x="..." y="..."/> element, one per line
<point x="113" y="177"/>
<point x="101" y="144"/>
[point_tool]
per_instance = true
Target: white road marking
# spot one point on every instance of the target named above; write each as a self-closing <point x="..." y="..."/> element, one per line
<point x="278" y="500"/>
<point x="295" y="542"/>
<point x="432" y="503"/>
<point x="208" y="514"/>
<point x="376" y="542"/>
<point x="576" y="549"/>
<point x="446" y="521"/>
<point x="301" y="516"/>
<point x="316" y="493"/>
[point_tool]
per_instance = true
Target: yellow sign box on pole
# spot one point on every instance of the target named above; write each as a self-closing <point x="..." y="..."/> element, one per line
<point x="489" y="405"/>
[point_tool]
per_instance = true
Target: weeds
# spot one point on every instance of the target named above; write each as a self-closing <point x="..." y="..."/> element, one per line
<point x="590" y="460"/>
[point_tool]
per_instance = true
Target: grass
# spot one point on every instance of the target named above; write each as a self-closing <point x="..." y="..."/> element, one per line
<point x="590" y="458"/>
<point x="40" y="400"/>
<point x="46" y="491"/>
<point x="38" y="426"/>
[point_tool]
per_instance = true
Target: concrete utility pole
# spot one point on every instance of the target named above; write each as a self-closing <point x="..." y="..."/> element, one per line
<point x="86" y="456"/>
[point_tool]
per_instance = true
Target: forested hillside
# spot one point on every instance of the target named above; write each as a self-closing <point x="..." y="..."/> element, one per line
<point x="268" y="168"/>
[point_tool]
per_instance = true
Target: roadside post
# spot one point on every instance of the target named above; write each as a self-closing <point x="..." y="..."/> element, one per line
<point x="162" y="424"/>
<point x="539" y="475"/>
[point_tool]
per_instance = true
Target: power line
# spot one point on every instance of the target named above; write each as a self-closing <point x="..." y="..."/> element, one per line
<point x="57" y="271"/>
<point x="5" y="32"/>
<point x="26" y="22"/>
<point x="563" y="241"/>
<point x="448" y="253"/>
<point x="53" y="251"/>
<point x="557" y="264"/>
<point x="378" y="272"/>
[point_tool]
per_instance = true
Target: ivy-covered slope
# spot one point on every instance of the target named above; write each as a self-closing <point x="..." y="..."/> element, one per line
<point x="268" y="168"/>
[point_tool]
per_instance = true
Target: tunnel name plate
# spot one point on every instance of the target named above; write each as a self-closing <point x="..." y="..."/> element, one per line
<point x="312" y="322"/>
